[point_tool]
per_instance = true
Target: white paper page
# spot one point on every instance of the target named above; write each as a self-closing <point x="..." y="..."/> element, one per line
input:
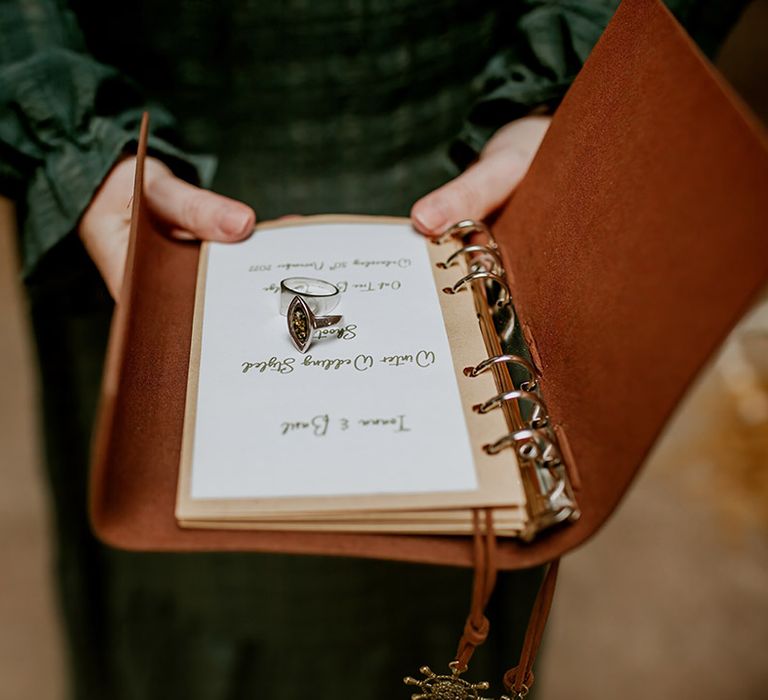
<point x="374" y="411"/>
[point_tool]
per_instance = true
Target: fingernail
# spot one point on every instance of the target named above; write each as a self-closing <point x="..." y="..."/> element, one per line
<point x="235" y="222"/>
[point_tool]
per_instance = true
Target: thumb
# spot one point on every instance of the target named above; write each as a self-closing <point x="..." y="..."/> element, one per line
<point x="487" y="184"/>
<point x="472" y="195"/>
<point x="194" y="212"/>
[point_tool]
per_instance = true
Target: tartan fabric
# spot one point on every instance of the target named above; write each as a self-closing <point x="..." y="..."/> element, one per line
<point x="339" y="105"/>
<point x="308" y="106"/>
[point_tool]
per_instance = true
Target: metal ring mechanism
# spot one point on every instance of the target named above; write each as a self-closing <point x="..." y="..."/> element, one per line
<point x="465" y="228"/>
<point x="505" y="327"/>
<point x="539" y="419"/>
<point x="530" y="384"/>
<point x="497" y="266"/>
<point x="535" y="445"/>
<point x="539" y="446"/>
<point x="504" y="297"/>
<point x="518" y="438"/>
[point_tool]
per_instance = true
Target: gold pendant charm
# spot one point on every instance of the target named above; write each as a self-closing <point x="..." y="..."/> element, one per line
<point x="435" y="687"/>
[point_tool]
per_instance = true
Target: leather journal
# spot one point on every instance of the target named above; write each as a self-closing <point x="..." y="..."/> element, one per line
<point x="634" y="244"/>
<point x="400" y="417"/>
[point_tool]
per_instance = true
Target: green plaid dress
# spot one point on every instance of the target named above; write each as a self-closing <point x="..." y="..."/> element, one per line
<point x="304" y="106"/>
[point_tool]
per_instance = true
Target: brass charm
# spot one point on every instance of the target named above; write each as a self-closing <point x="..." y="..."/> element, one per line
<point x="435" y="687"/>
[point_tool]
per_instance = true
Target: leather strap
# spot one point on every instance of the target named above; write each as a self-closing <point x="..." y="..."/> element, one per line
<point x="477" y="625"/>
<point x="518" y="680"/>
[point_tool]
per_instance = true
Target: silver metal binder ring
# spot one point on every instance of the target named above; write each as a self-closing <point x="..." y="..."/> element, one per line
<point x="538" y="420"/>
<point x="504" y="297"/>
<point x="497" y="267"/>
<point x="557" y="491"/>
<point x="522" y="437"/>
<point x="507" y="327"/>
<point x="537" y="446"/>
<point x="464" y="228"/>
<point x="501" y="444"/>
<point x="530" y="385"/>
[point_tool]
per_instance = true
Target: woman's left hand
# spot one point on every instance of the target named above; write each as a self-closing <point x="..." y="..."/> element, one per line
<point x="486" y="184"/>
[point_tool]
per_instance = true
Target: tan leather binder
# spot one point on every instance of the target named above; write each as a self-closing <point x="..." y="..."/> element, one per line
<point x="636" y="241"/>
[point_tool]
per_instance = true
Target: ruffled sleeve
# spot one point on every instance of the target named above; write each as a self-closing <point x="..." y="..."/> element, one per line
<point x="64" y="121"/>
<point x="545" y="46"/>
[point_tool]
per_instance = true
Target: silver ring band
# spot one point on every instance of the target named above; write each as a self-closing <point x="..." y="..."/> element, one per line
<point x="320" y="296"/>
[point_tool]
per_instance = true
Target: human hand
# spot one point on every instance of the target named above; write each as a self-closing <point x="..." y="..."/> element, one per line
<point x="188" y="211"/>
<point x="486" y="184"/>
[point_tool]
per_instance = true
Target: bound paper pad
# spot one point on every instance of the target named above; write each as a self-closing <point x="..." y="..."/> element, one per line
<point x="372" y="429"/>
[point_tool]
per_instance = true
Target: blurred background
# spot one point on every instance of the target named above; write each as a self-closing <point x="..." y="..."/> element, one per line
<point x="670" y="600"/>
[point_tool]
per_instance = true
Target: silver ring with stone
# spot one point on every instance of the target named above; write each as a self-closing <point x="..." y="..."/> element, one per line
<point x="320" y="296"/>
<point x="302" y="323"/>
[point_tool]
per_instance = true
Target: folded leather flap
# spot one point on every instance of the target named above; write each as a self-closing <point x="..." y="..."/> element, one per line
<point x="637" y="240"/>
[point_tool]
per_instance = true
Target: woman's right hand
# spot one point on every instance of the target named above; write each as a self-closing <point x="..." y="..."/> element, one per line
<point x="190" y="213"/>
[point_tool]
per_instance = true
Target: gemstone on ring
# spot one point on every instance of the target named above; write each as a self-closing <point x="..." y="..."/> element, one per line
<point x="302" y="323"/>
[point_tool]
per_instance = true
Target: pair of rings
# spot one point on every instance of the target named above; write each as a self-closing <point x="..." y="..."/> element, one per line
<point x="305" y="302"/>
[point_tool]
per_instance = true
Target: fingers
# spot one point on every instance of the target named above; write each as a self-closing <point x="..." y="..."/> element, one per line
<point x="189" y="212"/>
<point x="487" y="184"/>
<point x="192" y="212"/>
<point x="103" y="228"/>
<point x="472" y="195"/>
<point x="107" y="246"/>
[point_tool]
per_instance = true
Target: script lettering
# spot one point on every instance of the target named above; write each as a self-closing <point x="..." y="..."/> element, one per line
<point x="323" y="424"/>
<point x="284" y="366"/>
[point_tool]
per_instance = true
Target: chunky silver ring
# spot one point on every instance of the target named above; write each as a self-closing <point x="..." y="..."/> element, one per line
<point x="302" y="323"/>
<point x="321" y="296"/>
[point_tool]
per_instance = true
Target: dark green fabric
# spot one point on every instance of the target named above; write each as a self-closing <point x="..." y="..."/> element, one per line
<point x="310" y="106"/>
<point x="64" y="120"/>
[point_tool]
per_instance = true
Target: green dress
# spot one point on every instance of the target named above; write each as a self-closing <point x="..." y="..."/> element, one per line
<point x="308" y="106"/>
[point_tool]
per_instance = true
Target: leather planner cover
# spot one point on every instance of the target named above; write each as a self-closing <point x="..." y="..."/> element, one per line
<point x="634" y="244"/>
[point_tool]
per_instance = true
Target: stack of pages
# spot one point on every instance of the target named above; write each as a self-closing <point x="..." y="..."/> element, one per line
<point x="373" y="428"/>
